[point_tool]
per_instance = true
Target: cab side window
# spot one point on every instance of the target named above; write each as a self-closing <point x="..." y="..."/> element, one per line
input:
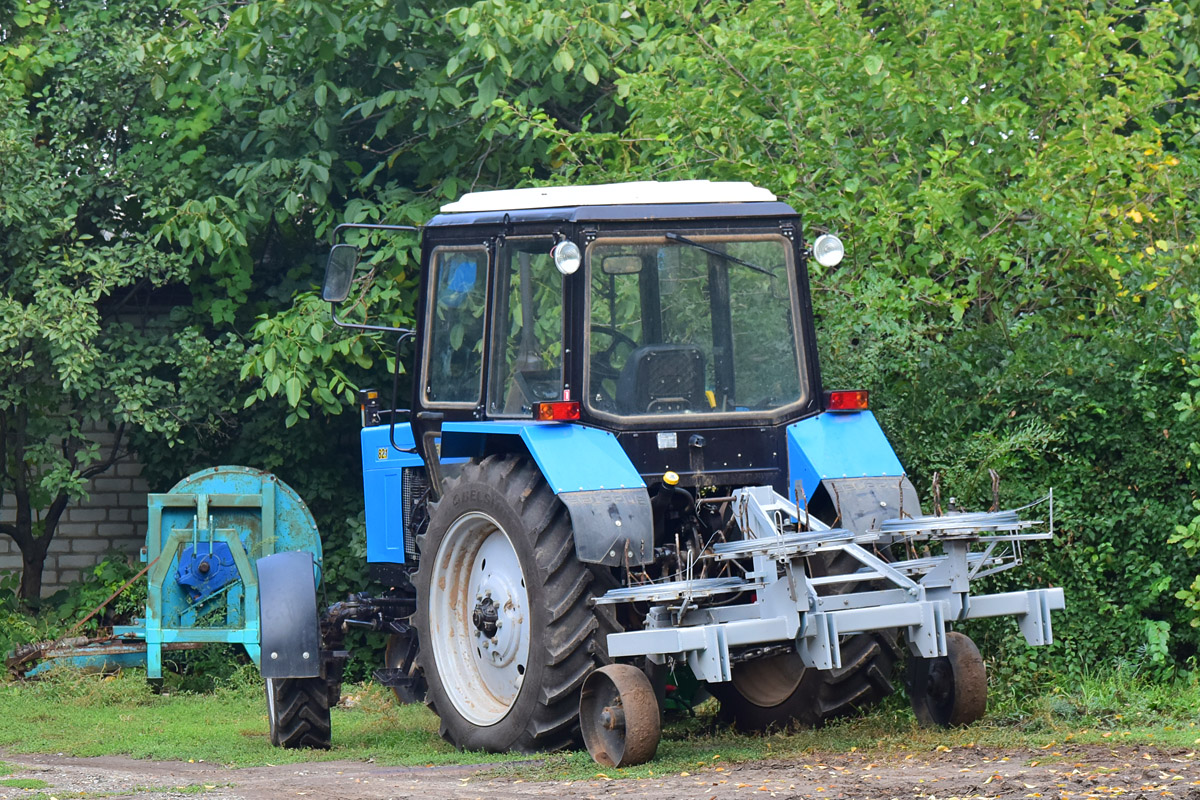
<point x="454" y="365"/>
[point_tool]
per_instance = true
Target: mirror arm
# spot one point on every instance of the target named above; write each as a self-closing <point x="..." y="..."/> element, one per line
<point x="360" y="327"/>
<point x="395" y="391"/>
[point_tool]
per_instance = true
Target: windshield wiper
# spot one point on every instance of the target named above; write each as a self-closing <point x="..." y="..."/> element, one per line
<point x="675" y="237"/>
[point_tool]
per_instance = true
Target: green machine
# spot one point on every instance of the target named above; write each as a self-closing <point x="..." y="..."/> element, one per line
<point x="203" y="540"/>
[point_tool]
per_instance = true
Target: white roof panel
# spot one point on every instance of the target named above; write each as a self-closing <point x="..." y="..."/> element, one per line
<point x="611" y="194"/>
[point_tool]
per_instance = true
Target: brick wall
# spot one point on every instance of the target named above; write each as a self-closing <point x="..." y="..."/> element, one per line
<point x="112" y="518"/>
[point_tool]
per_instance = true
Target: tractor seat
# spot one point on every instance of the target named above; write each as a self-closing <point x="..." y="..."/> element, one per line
<point x="662" y="379"/>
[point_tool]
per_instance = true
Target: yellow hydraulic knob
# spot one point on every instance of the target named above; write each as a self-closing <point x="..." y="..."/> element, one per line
<point x="670" y="478"/>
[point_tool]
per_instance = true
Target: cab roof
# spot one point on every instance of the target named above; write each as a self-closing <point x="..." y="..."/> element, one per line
<point x="614" y="201"/>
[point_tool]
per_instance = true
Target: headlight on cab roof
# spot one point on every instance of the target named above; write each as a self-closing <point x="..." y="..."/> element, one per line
<point x="828" y="250"/>
<point x="566" y="257"/>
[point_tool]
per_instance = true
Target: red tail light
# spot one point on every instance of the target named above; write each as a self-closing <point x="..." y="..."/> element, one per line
<point x="846" y="401"/>
<point x="560" y="411"/>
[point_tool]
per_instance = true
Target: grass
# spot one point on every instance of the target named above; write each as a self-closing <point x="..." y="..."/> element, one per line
<point x="86" y="715"/>
<point x="24" y="783"/>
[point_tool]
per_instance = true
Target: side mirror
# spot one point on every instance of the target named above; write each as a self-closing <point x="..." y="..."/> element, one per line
<point x="339" y="272"/>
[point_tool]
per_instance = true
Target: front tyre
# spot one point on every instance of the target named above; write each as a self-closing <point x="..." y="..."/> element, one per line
<point x="502" y="611"/>
<point x="298" y="713"/>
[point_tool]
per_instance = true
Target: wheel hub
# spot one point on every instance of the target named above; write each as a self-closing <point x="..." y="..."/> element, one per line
<point x="485" y="616"/>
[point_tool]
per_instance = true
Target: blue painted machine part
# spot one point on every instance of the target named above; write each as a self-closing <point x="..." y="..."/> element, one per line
<point x="226" y="518"/>
<point x="573" y="458"/>
<point x="205" y="569"/>
<point x="587" y="468"/>
<point x="88" y="658"/>
<point x="838" y="445"/>
<point x="242" y="512"/>
<point x="383" y="482"/>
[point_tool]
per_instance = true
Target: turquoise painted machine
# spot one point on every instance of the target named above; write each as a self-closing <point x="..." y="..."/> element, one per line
<point x="203" y="540"/>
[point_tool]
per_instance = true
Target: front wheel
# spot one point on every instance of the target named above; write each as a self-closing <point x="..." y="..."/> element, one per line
<point x="502" y="611"/>
<point x="298" y="713"/>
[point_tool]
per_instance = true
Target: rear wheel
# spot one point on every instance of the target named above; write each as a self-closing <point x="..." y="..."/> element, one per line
<point x="298" y="712"/>
<point x="502" y="611"/>
<point x="779" y="691"/>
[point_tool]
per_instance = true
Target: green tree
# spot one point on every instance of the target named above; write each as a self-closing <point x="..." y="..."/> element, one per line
<point x="1019" y="190"/>
<point x="83" y="341"/>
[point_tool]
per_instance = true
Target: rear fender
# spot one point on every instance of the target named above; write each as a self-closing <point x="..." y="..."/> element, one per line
<point x="845" y="447"/>
<point x="589" y="472"/>
<point x="287" y="606"/>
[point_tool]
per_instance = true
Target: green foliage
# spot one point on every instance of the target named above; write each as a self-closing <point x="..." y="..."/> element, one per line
<point x="59" y="613"/>
<point x="79" y="259"/>
<point x="1188" y="535"/>
<point x="1018" y="185"/>
<point x="1019" y="190"/>
<point x="68" y="606"/>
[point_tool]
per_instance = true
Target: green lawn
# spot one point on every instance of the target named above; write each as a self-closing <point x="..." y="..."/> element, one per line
<point x="87" y="715"/>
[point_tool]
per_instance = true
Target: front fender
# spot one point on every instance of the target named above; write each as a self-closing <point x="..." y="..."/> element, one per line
<point x="287" y="605"/>
<point x="589" y="472"/>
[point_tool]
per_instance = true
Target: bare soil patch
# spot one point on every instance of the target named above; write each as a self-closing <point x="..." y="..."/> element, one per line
<point x="1064" y="773"/>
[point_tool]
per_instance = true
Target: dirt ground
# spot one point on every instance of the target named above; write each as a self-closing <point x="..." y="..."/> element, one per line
<point x="1063" y="773"/>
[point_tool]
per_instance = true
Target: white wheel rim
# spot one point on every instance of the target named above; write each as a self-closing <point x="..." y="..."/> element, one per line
<point x="477" y="567"/>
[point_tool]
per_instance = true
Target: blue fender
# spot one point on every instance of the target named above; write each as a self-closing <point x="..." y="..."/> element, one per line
<point x="836" y="445"/>
<point x="589" y="472"/>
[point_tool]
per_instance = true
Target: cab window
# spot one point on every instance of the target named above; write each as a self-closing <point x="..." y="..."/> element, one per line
<point x="528" y="343"/>
<point x="454" y="359"/>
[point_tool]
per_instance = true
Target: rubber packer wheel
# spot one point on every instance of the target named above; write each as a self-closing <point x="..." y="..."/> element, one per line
<point x="502" y="611"/>
<point x="618" y="715"/>
<point x="952" y="689"/>
<point x="298" y="713"/>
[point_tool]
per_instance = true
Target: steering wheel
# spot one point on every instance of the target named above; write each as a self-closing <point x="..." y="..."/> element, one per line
<point x="602" y="368"/>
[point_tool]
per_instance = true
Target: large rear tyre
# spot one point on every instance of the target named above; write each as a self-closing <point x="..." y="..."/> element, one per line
<point x="502" y="611"/>
<point x="298" y="713"/>
<point x="779" y="691"/>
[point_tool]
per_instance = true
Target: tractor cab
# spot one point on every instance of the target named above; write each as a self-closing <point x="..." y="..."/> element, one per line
<point x="675" y="316"/>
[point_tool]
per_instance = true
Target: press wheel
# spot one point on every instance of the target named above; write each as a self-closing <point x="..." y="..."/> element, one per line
<point x="949" y="690"/>
<point x="618" y="716"/>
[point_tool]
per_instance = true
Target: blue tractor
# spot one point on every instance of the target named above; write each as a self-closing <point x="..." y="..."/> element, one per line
<point x="619" y="464"/>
